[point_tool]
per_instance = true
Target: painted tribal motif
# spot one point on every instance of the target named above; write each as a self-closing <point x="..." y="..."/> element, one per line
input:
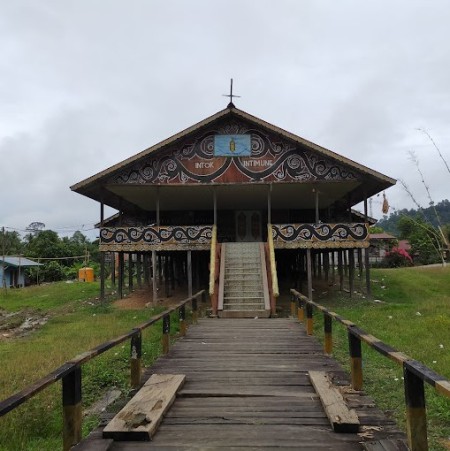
<point x="315" y="235"/>
<point x="271" y="160"/>
<point x="154" y="235"/>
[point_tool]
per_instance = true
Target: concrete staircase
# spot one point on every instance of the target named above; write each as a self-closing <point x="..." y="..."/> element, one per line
<point x="243" y="290"/>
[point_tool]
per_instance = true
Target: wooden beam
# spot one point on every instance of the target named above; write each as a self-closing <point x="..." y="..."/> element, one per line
<point x="140" y="418"/>
<point x="342" y="419"/>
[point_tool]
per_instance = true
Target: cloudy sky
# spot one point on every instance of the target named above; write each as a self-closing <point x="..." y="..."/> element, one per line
<point x="85" y="84"/>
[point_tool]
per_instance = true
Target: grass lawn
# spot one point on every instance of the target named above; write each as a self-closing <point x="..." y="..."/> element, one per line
<point x="414" y="317"/>
<point x="76" y="324"/>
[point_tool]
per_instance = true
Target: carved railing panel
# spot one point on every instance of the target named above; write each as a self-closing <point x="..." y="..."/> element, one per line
<point x="351" y="235"/>
<point x="130" y="239"/>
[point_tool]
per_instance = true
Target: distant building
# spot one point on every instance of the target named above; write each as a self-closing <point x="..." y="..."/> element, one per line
<point x="12" y="272"/>
<point x="380" y="243"/>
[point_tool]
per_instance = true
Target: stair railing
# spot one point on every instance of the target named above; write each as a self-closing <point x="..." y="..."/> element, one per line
<point x="273" y="264"/>
<point x="214" y="269"/>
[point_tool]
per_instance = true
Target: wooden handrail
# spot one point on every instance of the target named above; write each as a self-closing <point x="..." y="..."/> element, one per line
<point x="273" y="264"/>
<point x="414" y="372"/>
<point x="212" y="261"/>
<point x="70" y="374"/>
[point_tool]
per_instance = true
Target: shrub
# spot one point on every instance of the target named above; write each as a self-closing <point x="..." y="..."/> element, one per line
<point x="397" y="258"/>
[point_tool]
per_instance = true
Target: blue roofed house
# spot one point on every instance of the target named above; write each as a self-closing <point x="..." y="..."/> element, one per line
<point x="12" y="270"/>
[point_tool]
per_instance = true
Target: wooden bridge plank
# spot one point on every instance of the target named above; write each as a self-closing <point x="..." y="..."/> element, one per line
<point x="140" y="418"/>
<point x="247" y="386"/>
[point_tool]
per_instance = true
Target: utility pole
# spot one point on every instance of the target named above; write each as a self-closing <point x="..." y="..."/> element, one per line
<point x="3" y="260"/>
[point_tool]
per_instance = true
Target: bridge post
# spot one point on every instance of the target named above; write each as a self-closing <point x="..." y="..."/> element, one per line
<point x="328" y="333"/>
<point x="166" y="334"/>
<point x="194" y="310"/>
<point x="309" y="319"/>
<point x="72" y="411"/>
<point x="416" y="417"/>
<point x="355" y="360"/>
<point x="136" y="359"/>
<point x="182" y="318"/>
<point x="293" y="306"/>
<point x="300" y="310"/>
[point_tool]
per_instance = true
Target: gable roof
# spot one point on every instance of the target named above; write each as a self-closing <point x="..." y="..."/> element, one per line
<point x="231" y="111"/>
<point x="18" y="261"/>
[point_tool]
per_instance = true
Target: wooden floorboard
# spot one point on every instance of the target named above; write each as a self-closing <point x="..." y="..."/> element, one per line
<point x="247" y="387"/>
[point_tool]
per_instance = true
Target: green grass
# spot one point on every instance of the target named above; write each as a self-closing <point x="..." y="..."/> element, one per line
<point x="76" y="325"/>
<point x="414" y="317"/>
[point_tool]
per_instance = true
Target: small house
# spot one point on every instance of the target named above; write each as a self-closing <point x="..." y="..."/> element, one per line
<point x="12" y="271"/>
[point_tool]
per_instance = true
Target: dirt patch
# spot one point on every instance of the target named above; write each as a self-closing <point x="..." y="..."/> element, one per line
<point x="141" y="299"/>
<point x="19" y="324"/>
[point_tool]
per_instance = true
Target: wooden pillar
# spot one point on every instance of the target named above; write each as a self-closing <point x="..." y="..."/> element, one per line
<point x="72" y="411"/>
<point x="366" y="253"/>
<point x="367" y="271"/>
<point x="182" y="318"/>
<point x="319" y="264"/>
<point x="113" y="268"/>
<point x="351" y="271"/>
<point x="166" y="334"/>
<point x="139" y="269"/>
<point x="121" y="275"/>
<point x="333" y="267"/>
<point x="130" y="271"/>
<point x="355" y="361"/>
<point x="328" y="333"/>
<point x="102" y="257"/>
<point x="166" y="276"/>
<point x="346" y="262"/>
<point x="340" y="270"/>
<point x="416" y="419"/>
<point x="269" y="204"/>
<point x="326" y="265"/>
<point x="136" y="358"/>
<point x="309" y="275"/>
<point x="146" y="270"/>
<point x="189" y="272"/>
<point x="360" y="265"/>
<point x="154" y="278"/>
<point x="309" y="319"/>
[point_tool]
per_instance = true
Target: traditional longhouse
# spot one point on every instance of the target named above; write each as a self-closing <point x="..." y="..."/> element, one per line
<point x="240" y="203"/>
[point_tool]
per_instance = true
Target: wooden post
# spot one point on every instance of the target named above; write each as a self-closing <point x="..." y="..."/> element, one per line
<point x="121" y="265"/>
<point x="166" y="334"/>
<point x="328" y="333"/>
<point x="189" y="272"/>
<point x="416" y="417"/>
<point x="139" y="270"/>
<point x="146" y="270"/>
<point x="136" y="359"/>
<point x="167" y="275"/>
<point x="72" y="411"/>
<point x="194" y="311"/>
<point x="113" y="268"/>
<point x="182" y="318"/>
<point x="102" y="257"/>
<point x="154" y="281"/>
<point x="340" y="271"/>
<point x="293" y="306"/>
<point x="308" y="271"/>
<point x="300" y="310"/>
<point x="130" y="272"/>
<point x="351" y="271"/>
<point x="355" y="360"/>
<point x="367" y="270"/>
<point x="309" y="319"/>
<point x="326" y="265"/>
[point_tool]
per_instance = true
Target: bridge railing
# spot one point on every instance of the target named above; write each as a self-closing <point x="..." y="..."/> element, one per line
<point x="70" y="372"/>
<point x="415" y="374"/>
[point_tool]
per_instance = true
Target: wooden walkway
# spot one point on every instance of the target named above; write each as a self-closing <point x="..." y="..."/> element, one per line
<point x="247" y="386"/>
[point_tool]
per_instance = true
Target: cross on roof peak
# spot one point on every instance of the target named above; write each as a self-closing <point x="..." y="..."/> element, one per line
<point x="231" y="95"/>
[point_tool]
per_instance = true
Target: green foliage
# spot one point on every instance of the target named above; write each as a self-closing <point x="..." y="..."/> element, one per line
<point x="390" y="223"/>
<point x="11" y="243"/>
<point x="425" y="240"/>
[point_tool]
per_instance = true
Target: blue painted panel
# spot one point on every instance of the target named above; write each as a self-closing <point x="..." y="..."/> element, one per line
<point x="232" y="145"/>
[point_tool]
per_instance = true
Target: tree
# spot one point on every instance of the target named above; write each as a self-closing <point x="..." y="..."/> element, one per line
<point x="11" y="243"/>
<point x="425" y="240"/>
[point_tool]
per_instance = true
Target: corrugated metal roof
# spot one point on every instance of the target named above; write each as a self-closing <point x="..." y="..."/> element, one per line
<point x="18" y="261"/>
